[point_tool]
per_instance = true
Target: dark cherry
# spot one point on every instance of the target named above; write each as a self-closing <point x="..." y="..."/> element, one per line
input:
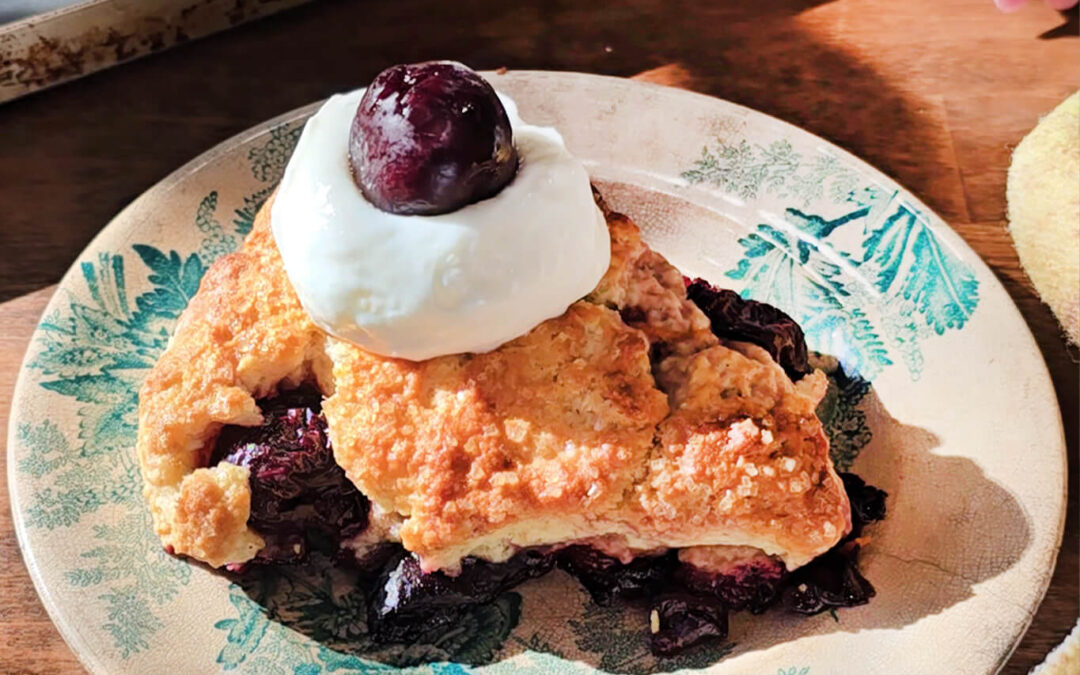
<point x="736" y="318"/>
<point x="831" y="580"/>
<point x="299" y="495"/>
<point x="408" y="603"/>
<point x="430" y="138"/>
<point x="606" y="578"/>
<point x="684" y="620"/>
<point x="752" y="585"/>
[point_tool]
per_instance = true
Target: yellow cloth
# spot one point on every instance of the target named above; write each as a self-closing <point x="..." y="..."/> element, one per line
<point x="1044" y="211"/>
<point x="1065" y="659"/>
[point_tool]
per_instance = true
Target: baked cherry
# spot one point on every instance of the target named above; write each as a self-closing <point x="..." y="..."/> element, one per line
<point x="430" y="138"/>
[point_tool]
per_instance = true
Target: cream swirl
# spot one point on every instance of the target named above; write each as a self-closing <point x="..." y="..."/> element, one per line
<point x="417" y="287"/>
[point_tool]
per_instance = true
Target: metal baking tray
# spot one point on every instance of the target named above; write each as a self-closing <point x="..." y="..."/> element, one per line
<point x="43" y="50"/>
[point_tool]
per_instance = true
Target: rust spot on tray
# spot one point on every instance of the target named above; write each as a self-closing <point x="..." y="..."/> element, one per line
<point x="45" y="62"/>
<point x="34" y="61"/>
<point x="118" y="43"/>
<point x="49" y="60"/>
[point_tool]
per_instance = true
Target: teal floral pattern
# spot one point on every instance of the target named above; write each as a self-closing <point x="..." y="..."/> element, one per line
<point x="747" y="169"/>
<point x="96" y="354"/>
<point x="800" y="262"/>
<point x="269" y="159"/>
<point x="133" y="575"/>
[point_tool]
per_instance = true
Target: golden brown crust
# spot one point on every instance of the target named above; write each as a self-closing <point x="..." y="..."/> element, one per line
<point x="743" y="451"/>
<point x="554" y="424"/>
<point x="568" y="432"/>
<point x="242" y="335"/>
<point x="649" y="292"/>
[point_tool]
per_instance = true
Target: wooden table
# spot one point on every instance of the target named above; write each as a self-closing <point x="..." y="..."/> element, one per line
<point x="934" y="93"/>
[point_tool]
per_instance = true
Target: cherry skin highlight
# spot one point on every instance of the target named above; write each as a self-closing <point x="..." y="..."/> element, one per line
<point x="430" y="138"/>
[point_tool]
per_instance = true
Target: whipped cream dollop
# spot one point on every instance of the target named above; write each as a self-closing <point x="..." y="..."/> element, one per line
<point x="417" y="287"/>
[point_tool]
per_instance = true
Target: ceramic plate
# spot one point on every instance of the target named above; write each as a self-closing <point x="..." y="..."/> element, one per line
<point x="939" y="396"/>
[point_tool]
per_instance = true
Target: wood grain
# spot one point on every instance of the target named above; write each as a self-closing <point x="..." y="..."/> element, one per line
<point x="934" y="93"/>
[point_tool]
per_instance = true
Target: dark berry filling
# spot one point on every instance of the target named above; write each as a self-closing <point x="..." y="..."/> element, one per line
<point x="688" y="605"/>
<point x="833" y="579"/>
<point x="736" y="318"/>
<point x="407" y="603"/>
<point x="299" y="495"/>
<point x="682" y="620"/>
<point x="301" y="498"/>
<point x="753" y="585"/>
<point x="606" y="578"/>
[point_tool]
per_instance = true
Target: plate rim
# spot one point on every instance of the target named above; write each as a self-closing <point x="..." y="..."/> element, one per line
<point x="173" y="179"/>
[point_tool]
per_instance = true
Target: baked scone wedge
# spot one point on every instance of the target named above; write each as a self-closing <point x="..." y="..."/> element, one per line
<point x="624" y="424"/>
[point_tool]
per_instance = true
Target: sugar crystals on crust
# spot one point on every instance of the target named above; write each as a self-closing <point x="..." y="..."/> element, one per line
<point x="624" y="419"/>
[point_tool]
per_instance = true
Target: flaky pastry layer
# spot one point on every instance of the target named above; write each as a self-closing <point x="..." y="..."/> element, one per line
<point x="568" y="433"/>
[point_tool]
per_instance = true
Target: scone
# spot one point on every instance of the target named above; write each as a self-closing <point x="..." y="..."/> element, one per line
<point x="567" y="434"/>
<point x="438" y="355"/>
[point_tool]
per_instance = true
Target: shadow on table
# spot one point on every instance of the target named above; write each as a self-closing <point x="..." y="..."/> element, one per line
<point x="1069" y="27"/>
